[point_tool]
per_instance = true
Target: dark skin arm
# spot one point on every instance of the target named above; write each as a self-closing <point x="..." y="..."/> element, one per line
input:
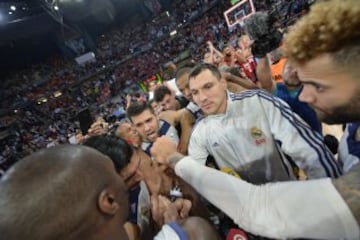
<point x="243" y="82"/>
<point x="186" y="121"/>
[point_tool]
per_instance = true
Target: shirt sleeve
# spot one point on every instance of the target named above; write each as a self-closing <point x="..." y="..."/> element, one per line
<point x="305" y="146"/>
<point x="193" y="109"/>
<point x="197" y="146"/>
<point x="171" y="231"/>
<point x="307" y="209"/>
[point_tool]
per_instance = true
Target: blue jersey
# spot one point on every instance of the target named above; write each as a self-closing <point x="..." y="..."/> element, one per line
<point x="300" y="108"/>
<point x="349" y="148"/>
<point x="133" y="201"/>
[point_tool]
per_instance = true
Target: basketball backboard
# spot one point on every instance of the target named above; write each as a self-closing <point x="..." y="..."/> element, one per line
<point x="237" y="13"/>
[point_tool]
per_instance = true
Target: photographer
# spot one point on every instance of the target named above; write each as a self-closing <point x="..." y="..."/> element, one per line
<point x="262" y="30"/>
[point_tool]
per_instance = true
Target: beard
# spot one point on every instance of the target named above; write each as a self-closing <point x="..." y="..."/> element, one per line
<point x="346" y="113"/>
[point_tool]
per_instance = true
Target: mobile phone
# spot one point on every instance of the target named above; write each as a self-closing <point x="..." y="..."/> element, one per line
<point x="85" y="119"/>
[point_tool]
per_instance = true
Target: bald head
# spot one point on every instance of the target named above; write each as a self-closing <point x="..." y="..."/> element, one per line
<point x="60" y="193"/>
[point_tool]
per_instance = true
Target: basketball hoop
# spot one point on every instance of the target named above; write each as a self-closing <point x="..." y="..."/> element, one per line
<point x="237" y="13"/>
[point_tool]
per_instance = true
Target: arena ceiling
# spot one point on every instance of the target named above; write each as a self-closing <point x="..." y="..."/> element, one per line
<point x="27" y="27"/>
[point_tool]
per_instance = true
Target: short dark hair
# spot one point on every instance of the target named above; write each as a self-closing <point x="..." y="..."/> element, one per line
<point x="118" y="150"/>
<point x="160" y="92"/>
<point x="137" y="108"/>
<point x="202" y="67"/>
<point x="186" y="69"/>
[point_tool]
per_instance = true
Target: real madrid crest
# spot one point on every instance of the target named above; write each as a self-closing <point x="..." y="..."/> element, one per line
<point x="257" y="135"/>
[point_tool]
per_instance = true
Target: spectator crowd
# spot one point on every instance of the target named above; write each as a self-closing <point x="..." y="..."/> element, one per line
<point x="192" y="130"/>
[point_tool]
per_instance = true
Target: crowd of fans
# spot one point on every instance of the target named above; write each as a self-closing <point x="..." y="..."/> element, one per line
<point x="132" y="53"/>
<point x="230" y="146"/>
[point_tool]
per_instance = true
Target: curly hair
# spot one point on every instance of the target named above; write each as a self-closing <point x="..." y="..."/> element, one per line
<point x="333" y="27"/>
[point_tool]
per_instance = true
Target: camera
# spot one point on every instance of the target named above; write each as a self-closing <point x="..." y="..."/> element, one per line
<point x="261" y="29"/>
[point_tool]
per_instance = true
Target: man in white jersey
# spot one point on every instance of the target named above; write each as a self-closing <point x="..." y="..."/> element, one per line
<point x="254" y="133"/>
<point x="316" y="209"/>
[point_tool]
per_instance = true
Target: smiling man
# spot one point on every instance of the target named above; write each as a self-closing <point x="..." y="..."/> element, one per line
<point x="254" y="133"/>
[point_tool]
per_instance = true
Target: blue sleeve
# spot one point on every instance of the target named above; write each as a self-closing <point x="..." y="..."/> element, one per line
<point x="179" y="231"/>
